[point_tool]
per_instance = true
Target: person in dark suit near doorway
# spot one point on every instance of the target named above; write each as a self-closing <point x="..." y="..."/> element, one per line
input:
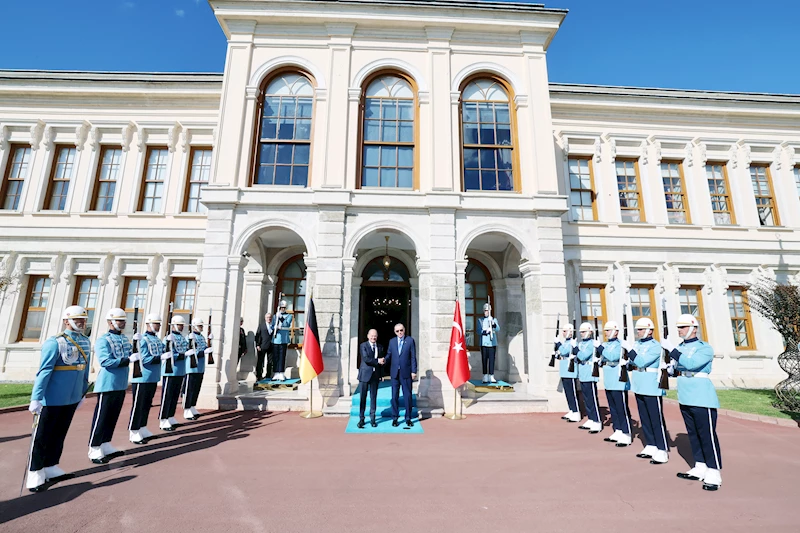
<point x="264" y="347"/>
<point x="401" y="360"/>
<point x="242" y="340"/>
<point x="369" y="375"/>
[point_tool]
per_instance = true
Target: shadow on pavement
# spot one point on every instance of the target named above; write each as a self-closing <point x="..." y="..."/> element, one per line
<point x="15" y="437"/>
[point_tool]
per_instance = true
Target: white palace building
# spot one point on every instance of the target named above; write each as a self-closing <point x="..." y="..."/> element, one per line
<point x="393" y="155"/>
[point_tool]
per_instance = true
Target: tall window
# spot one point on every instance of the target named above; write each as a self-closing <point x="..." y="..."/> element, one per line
<point x="155" y="174"/>
<point x="675" y="193"/>
<point x="86" y="293"/>
<point x="741" y="324"/>
<point x="33" y="316"/>
<point x="765" y="199"/>
<point x="284" y="140"/>
<point x="134" y="295"/>
<point x="184" y="292"/>
<point x="581" y="184"/>
<point x="199" y="174"/>
<point x="477" y="292"/>
<point x="593" y="304"/>
<point x="691" y="299"/>
<point x="488" y="140"/>
<point x="16" y="173"/>
<point x="643" y="305"/>
<point x="292" y="283"/>
<point x="108" y="173"/>
<point x="720" y="191"/>
<point x="60" y="176"/>
<point x="630" y="191"/>
<point x="389" y="140"/>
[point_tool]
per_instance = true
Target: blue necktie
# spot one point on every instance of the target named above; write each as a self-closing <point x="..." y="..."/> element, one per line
<point x="399" y="346"/>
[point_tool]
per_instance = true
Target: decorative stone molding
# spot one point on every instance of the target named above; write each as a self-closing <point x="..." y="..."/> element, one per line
<point x="565" y="147"/>
<point x="789" y="149"/>
<point x="645" y="153"/>
<point x="708" y="274"/>
<point x="49" y="137"/>
<point x="56" y="264"/>
<point x="4" y="135"/>
<point x="455" y="97"/>
<point x="354" y="94"/>
<point x="236" y="262"/>
<point x="777" y="160"/>
<point x="612" y="287"/>
<point x="703" y="155"/>
<point x="733" y="156"/>
<point x="689" y="158"/>
<point x="81" y="133"/>
<point x="656" y="150"/>
<point x="68" y="269"/>
<point x="661" y="279"/>
<point x="214" y="138"/>
<point x="598" y="151"/>
<point x="521" y="100"/>
<point x="186" y="139"/>
<point x="141" y="139"/>
<point x="20" y="267"/>
<point x="251" y="93"/>
<point x="199" y="268"/>
<point x="94" y="138"/>
<point x="37" y="131"/>
<point x="676" y="279"/>
<point x="105" y="269"/>
<point x="172" y="136"/>
<point x="116" y="272"/>
<point x="127" y="136"/>
<point x="612" y="147"/>
<point x="152" y="267"/>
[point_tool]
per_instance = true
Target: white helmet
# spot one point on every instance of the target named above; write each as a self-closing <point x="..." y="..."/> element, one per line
<point x="611" y="325"/>
<point x="487" y="307"/>
<point x="587" y="330"/>
<point x="71" y="313"/>
<point x="153" y="318"/>
<point x="644" y="323"/>
<point x="178" y="320"/>
<point x="282" y="304"/>
<point x="197" y="321"/>
<point x="688" y="320"/>
<point x="569" y="329"/>
<point x="115" y="316"/>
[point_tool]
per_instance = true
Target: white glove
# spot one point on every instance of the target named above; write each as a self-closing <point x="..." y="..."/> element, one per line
<point x="210" y="336"/>
<point x="667" y="345"/>
<point x="135" y="357"/>
<point x="628" y="345"/>
<point x="208" y="351"/>
<point x="137" y="337"/>
<point x="596" y="343"/>
<point x="35" y="407"/>
<point x="166" y="355"/>
<point x="558" y="340"/>
<point x="189" y="353"/>
<point x="573" y="343"/>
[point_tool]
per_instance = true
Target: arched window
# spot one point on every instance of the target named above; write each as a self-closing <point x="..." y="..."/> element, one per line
<point x="477" y="291"/>
<point x="488" y="136"/>
<point x="292" y="283"/>
<point x="284" y="131"/>
<point x="389" y="133"/>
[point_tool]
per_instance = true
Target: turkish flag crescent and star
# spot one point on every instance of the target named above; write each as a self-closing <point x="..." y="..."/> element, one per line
<point x="311" y="364"/>
<point x="457" y="362"/>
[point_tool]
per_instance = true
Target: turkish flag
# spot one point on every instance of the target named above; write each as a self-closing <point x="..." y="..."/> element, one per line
<point x="457" y="362"/>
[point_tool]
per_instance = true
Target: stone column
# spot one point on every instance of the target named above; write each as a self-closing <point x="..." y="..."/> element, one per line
<point x="532" y="328"/>
<point x="228" y="356"/>
<point x="353" y="341"/>
<point x="347" y="327"/>
<point x="439" y="137"/>
<point x="253" y="317"/>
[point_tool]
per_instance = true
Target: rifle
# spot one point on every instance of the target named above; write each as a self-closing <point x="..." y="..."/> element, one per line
<point x="137" y="365"/>
<point x="210" y="357"/>
<point x="168" y="342"/>
<point x="278" y="317"/>
<point x="192" y="344"/>
<point x="596" y="367"/>
<point x="555" y="346"/>
<point x="571" y="367"/>
<point x="623" y="360"/>
<point x="663" y="382"/>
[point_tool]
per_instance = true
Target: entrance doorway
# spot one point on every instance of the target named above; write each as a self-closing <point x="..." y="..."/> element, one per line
<point x="385" y="301"/>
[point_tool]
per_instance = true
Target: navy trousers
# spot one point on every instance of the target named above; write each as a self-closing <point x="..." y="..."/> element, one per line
<point x="571" y="392"/>
<point x="191" y="391"/>
<point x="370" y="386"/>
<point x="170" y="390"/>
<point x="142" y="401"/>
<point x="396" y="384"/>
<point x="106" y="414"/>
<point x="589" y="389"/>
<point x="49" y="435"/>
<point x="651" y="414"/>
<point x="487" y="358"/>
<point x="701" y="425"/>
<point x="279" y="357"/>
<point x="620" y="413"/>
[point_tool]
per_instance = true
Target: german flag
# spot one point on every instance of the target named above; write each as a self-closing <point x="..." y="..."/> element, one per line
<point x="311" y="364"/>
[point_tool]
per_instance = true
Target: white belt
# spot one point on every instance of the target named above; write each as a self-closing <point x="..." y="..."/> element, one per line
<point x="694" y="374"/>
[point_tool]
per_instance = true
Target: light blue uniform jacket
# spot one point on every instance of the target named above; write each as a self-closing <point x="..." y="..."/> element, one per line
<point x="113" y="353"/>
<point x="150" y="349"/>
<point x="583" y="353"/>
<point x="611" y="353"/>
<point x="488" y="339"/>
<point x="54" y="386"/>
<point x="281" y="336"/>
<point x="199" y="347"/>
<point x="695" y="356"/>
<point x="178" y="347"/>
<point x="647" y="355"/>
<point x="563" y="361"/>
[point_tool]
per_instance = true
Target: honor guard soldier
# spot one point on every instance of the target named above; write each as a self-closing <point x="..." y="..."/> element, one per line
<point x="699" y="403"/>
<point x="171" y="382"/>
<point x="144" y="388"/>
<point x="569" y="380"/>
<point x="616" y="390"/>
<point x="645" y="355"/>
<point x="61" y="383"/>
<point x="194" y="376"/>
<point x="281" y="327"/>
<point x="114" y="355"/>
<point x="584" y="352"/>
<point x="489" y="327"/>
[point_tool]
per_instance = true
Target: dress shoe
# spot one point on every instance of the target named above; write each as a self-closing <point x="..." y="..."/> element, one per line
<point x="409" y="423"/>
<point x="373" y="424"/>
<point x="395" y="423"/>
<point x="360" y="425"/>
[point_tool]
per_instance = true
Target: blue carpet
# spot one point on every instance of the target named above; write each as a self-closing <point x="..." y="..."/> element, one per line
<point x="500" y="383"/>
<point x="383" y="413"/>
<point x="284" y="382"/>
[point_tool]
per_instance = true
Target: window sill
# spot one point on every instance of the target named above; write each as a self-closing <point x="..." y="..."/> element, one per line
<point x="637" y="225"/>
<point x="100" y="214"/>
<point x="48" y="213"/>
<point x="595" y="223"/>
<point x="783" y="229"/>
<point x="729" y="227"/>
<point x="682" y="226"/>
<point x="749" y="354"/>
<point x="8" y="212"/>
<point x="388" y="190"/>
<point x="142" y="214"/>
<point x="190" y="215"/>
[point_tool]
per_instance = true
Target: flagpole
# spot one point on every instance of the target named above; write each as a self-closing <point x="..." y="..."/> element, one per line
<point x="455" y="415"/>
<point x="310" y="413"/>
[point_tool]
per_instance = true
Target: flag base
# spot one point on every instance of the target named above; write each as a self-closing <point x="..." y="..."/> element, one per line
<point x="311" y="414"/>
<point x="455" y="416"/>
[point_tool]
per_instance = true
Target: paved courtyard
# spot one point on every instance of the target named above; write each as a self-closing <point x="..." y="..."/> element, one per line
<point x="251" y="471"/>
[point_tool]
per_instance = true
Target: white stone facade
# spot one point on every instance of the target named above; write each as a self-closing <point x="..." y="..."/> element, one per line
<point x="536" y="254"/>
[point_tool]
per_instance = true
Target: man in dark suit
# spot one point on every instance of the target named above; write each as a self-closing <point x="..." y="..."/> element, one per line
<point x="264" y="347"/>
<point x="242" y="340"/>
<point x="369" y="375"/>
<point x="401" y="359"/>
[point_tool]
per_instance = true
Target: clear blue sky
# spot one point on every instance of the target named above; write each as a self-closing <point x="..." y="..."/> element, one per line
<point x="732" y="45"/>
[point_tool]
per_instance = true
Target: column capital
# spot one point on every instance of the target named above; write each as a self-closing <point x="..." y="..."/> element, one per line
<point x="529" y="269"/>
<point x="236" y="262"/>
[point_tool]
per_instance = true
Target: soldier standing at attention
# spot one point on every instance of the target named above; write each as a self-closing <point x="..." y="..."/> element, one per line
<point x="171" y="382"/>
<point x="646" y="355"/>
<point x="281" y="329"/>
<point x="144" y="388"/>
<point x="114" y="355"/>
<point x="61" y="383"/>
<point x="194" y="376"/>
<point x="489" y="327"/>
<point x="699" y="403"/>
<point x="569" y="380"/>
<point x="585" y="353"/>
<point x="616" y="390"/>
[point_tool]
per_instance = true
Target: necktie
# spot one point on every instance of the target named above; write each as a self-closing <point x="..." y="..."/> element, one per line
<point x="375" y="351"/>
<point x="400" y="346"/>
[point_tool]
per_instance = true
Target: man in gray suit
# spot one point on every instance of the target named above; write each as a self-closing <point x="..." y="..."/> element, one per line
<point x="369" y="376"/>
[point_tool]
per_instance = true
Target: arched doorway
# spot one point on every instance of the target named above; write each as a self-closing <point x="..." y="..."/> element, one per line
<point x="385" y="299"/>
